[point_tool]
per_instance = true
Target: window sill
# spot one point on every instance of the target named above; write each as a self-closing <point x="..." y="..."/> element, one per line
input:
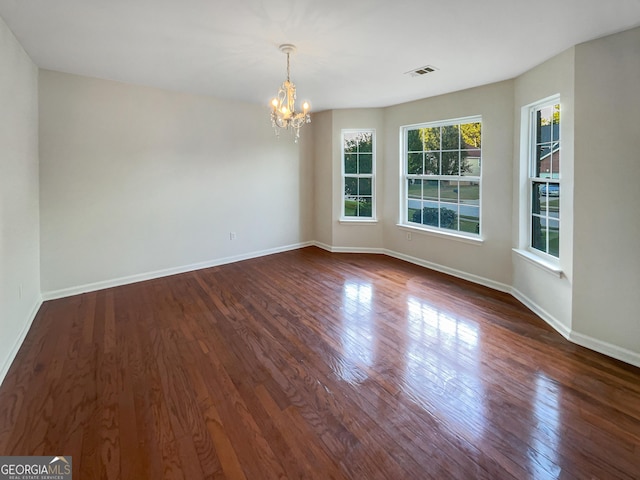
<point x="364" y="221"/>
<point x="539" y="262"/>
<point x="441" y="234"/>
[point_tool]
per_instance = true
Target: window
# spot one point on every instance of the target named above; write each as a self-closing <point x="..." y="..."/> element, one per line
<point x="544" y="177"/>
<point x="441" y="184"/>
<point x="358" y="167"/>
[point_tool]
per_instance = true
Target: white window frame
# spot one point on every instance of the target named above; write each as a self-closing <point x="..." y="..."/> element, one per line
<point x="344" y="175"/>
<point x="404" y="177"/>
<point x="528" y="164"/>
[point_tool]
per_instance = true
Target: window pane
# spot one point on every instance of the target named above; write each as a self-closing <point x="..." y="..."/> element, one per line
<point x="544" y="119"/>
<point x="431" y="138"/>
<point x="414" y="211"/>
<point x="350" y="208"/>
<point x="543" y="161"/>
<point x="536" y="195"/>
<point x="550" y="199"/>
<point x="538" y="233"/>
<point x="555" y="160"/>
<point x="430" y="191"/>
<point x="350" y="186"/>
<point x="538" y="126"/>
<point x="350" y="163"/>
<point x="469" y="193"/>
<point x="450" y="163"/>
<point x="350" y="142"/>
<point x="470" y="163"/>
<point x="548" y="130"/>
<point x="414" y="188"/>
<point x="450" y="137"/>
<point x="471" y="135"/>
<point x="365" y="142"/>
<point x="469" y="219"/>
<point x="430" y="214"/>
<point x="414" y="163"/>
<point x="364" y="186"/>
<point x="554" y="237"/>
<point x="553" y="190"/>
<point x="449" y="216"/>
<point x="546" y="114"/>
<point x="366" y="163"/>
<point x="449" y="191"/>
<point x="544" y="200"/>
<point x="364" y="207"/>
<point x="431" y="161"/>
<point x="414" y="141"/>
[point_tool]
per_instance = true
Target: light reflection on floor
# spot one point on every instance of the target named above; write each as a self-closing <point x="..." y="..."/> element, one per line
<point x="445" y="385"/>
<point x="543" y="454"/>
<point x="357" y="333"/>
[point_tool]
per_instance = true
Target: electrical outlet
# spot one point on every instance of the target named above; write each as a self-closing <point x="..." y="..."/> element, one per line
<point x="409" y="236"/>
<point x="20" y="291"/>
<point x="232" y="235"/>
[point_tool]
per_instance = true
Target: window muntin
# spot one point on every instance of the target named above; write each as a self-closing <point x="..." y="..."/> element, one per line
<point x="442" y="175"/>
<point x="544" y="178"/>
<point x="358" y="168"/>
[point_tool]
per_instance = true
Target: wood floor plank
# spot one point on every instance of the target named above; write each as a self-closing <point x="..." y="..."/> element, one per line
<point x="314" y="365"/>
<point x="160" y="442"/>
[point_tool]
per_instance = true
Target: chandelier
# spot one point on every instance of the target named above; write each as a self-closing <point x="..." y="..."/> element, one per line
<point x="283" y="109"/>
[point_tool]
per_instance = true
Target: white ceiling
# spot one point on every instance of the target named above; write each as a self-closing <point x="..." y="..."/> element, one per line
<point x="351" y="53"/>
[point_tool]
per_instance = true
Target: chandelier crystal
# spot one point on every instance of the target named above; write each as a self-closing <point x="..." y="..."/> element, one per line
<point x="283" y="109"/>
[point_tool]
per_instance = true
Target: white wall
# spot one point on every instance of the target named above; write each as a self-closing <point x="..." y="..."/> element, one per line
<point x="543" y="290"/>
<point x="19" y="228"/>
<point x="138" y="181"/>
<point x="489" y="262"/>
<point x="606" y="293"/>
<point x="357" y="235"/>
<point x="322" y="132"/>
<point x="330" y="232"/>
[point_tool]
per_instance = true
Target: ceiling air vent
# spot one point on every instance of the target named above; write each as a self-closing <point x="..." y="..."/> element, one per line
<point x="416" y="72"/>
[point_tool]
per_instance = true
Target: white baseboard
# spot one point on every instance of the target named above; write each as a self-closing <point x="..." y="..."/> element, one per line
<point x="8" y="360"/>
<point x="501" y="287"/>
<point x="556" y="324"/>
<point x="323" y="246"/>
<point x="608" y="349"/>
<point x="332" y="249"/>
<point x="375" y="251"/>
<point x="418" y="261"/>
<point x="117" y="282"/>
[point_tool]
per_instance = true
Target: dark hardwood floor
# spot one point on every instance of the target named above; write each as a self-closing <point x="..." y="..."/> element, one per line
<point x="308" y="364"/>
